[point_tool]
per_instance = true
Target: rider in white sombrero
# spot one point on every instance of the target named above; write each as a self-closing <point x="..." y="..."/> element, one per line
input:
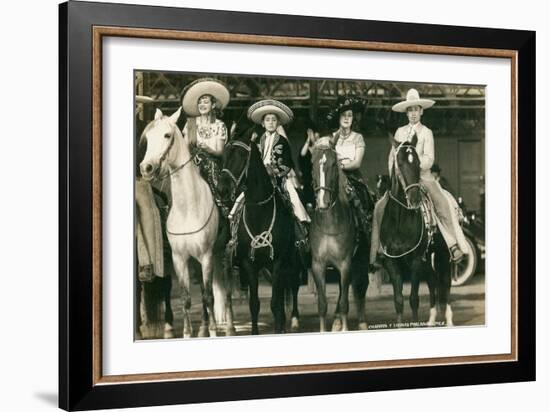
<point x="201" y="87"/>
<point x="412" y="99"/>
<point x="414" y="107"/>
<point x="203" y="101"/>
<point x="276" y="154"/>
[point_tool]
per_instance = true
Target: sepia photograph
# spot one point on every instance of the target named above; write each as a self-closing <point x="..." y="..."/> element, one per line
<point x="268" y="205"/>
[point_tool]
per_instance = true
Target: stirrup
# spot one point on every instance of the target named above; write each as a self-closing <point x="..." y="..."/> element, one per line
<point x="456" y="254"/>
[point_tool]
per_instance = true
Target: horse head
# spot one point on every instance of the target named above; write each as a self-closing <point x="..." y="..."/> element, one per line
<point x="325" y="173"/>
<point x="236" y="159"/>
<point x="159" y="136"/>
<point x="407" y="171"/>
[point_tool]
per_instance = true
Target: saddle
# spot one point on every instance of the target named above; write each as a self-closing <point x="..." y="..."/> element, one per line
<point x="429" y="214"/>
<point x="432" y="222"/>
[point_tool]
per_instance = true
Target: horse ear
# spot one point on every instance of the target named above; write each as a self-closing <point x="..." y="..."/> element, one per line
<point x="174" y="118"/>
<point x="158" y="114"/>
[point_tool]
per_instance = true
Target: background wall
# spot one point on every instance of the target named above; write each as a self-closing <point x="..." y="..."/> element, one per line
<point x="28" y="222"/>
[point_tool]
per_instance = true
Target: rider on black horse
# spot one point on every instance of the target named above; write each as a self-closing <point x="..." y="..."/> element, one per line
<point x="274" y="148"/>
<point x="414" y="107"/>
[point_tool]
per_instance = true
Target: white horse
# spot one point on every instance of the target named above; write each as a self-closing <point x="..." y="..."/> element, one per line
<point x="192" y="224"/>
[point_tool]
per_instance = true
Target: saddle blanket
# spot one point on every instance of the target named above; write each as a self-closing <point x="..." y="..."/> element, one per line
<point x="148" y="229"/>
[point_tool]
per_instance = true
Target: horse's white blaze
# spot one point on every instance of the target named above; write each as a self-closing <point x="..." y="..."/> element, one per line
<point x="322" y="180"/>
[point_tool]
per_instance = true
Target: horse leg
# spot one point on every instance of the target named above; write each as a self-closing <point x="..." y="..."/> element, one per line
<point x="168" y="313"/>
<point x="253" y="300"/>
<point x="431" y="280"/>
<point x="227" y="276"/>
<point x="397" y="282"/>
<point x="318" y="269"/>
<point x="337" y="322"/>
<point x="415" y="285"/>
<point x="445" y="293"/>
<point x="139" y="321"/>
<point x="295" y="316"/>
<point x="277" y="297"/>
<point x="343" y="303"/>
<point x="360" y="284"/>
<point x="203" y="328"/>
<point x="207" y="264"/>
<point x="182" y="270"/>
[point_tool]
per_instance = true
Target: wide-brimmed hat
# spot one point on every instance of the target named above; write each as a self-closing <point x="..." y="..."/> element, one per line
<point x="195" y="90"/>
<point x="344" y="103"/>
<point x="413" y="99"/>
<point x="258" y="110"/>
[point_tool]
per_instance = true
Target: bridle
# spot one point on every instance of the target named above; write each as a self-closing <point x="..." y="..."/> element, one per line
<point x="317" y="189"/>
<point x="407" y="206"/>
<point x="238" y="180"/>
<point x="164" y="155"/>
<point x="401" y="180"/>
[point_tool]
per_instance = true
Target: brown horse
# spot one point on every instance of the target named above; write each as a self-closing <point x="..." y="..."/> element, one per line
<point x="333" y="239"/>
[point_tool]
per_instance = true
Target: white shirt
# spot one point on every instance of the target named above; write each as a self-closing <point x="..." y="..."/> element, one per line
<point x="268" y="147"/>
<point x="424" y="147"/>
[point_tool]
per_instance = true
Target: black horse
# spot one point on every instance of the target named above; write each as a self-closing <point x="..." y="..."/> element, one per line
<point x="407" y="243"/>
<point x="265" y="237"/>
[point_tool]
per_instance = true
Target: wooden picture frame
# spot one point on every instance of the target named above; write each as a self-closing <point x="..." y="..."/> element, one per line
<point x="82" y="28"/>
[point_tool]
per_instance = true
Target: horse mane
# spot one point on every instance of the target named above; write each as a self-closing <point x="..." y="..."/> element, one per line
<point x="149" y="126"/>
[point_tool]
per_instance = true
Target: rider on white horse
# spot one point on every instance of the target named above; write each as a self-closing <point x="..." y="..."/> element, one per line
<point x="203" y="100"/>
<point x="414" y="107"/>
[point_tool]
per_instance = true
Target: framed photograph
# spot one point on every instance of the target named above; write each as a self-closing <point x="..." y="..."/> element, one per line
<point x="256" y="205"/>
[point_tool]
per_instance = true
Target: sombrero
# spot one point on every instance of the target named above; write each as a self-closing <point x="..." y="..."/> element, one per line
<point x="258" y="110"/>
<point x="195" y="90"/>
<point x="344" y="103"/>
<point x="413" y="99"/>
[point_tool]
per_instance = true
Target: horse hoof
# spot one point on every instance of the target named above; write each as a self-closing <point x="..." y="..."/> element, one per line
<point x="337" y="325"/>
<point x="168" y="331"/>
<point x="363" y="326"/>
<point x="186" y="336"/>
<point x="255" y="331"/>
<point x="213" y="333"/>
<point x="203" y="332"/>
<point x="294" y="325"/>
<point x="230" y="331"/>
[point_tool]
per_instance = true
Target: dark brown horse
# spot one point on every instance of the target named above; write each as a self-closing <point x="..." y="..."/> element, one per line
<point x="333" y="240"/>
<point x="407" y="243"/>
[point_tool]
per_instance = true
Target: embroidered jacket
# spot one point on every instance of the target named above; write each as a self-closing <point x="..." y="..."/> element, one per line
<point x="275" y="151"/>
